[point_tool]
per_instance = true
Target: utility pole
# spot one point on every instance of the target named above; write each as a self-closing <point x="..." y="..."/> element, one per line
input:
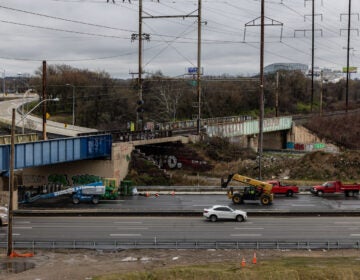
<point x="11" y="186"/>
<point x="44" y="98"/>
<point x="199" y="69"/>
<point x="139" y="123"/>
<point x="348" y="71"/>
<point x="321" y="92"/>
<point x="312" y="54"/>
<point x="348" y="60"/>
<point x="261" y="119"/>
<point x="198" y="73"/>
<point x="261" y="94"/>
<point x="277" y="95"/>
<point x="313" y="30"/>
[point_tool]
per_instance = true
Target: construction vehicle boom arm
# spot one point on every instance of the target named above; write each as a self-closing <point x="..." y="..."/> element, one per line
<point x="246" y="180"/>
<point x="255" y="190"/>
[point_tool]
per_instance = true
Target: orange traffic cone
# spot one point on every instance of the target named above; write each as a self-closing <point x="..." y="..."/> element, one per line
<point x="156" y="194"/>
<point x="254" y="258"/>
<point x="173" y="193"/>
<point x="147" y="194"/>
<point x="243" y="262"/>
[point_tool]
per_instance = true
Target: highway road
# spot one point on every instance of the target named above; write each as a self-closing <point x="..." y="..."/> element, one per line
<point x="183" y="228"/>
<point x="36" y="123"/>
<point x="197" y="202"/>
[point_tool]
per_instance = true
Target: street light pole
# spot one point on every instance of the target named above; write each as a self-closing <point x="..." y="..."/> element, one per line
<point x="37" y="105"/>
<point x="73" y="103"/>
<point x="22" y="111"/>
<point x="4" y="89"/>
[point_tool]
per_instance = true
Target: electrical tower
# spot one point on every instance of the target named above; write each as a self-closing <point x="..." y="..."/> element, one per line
<point x="147" y="36"/>
<point x="349" y="29"/>
<point x="262" y="25"/>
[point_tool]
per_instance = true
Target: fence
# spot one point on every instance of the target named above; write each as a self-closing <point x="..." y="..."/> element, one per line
<point x="155" y="244"/>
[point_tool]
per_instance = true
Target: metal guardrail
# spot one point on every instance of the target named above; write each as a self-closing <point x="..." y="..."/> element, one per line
<point x="155" y="244"/>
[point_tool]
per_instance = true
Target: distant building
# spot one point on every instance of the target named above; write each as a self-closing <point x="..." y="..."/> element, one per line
<point x="272" y="68"/>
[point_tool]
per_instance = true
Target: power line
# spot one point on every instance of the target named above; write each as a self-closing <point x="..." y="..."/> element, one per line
<point x="64" y="19"/>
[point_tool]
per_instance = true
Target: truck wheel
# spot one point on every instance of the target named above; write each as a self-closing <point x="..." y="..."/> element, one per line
<point x="76" y="200"/>
<point x="239" y="218"/>
<point x="213" y="218"/>
<point x="265" y="200"/>
<point x="289" y="193"/>
<point x="95" y="200"/>
<point x="237" y="199"/>
<point x="319" y="193"/>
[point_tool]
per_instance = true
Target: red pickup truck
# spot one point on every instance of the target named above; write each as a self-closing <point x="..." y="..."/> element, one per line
<point x="278" y="188"/>
<point x="336" y="187"/>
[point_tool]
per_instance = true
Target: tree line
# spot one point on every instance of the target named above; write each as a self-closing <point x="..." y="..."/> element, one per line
<point x="105" y="103"/>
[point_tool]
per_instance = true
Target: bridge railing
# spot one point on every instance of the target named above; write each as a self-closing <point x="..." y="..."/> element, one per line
<point x="127" y="136"/>
<point x="188" y="124"/>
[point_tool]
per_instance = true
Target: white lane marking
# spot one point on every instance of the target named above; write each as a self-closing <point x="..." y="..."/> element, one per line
<point x="125" y="234"/>
<point x="14" y="234"/>
<point x="15" y="227"/>
<point x="355" y="234"/>
<point x="302" y="205"/>
<point x="199" y="205"/>
<point x="246" y="234"/>
<point x="23" y="222"/>
<point x="344" y="223"/>
<point x="254" y="228"/>
<point x="127" y="222"/>
<point x="138" y="228"/>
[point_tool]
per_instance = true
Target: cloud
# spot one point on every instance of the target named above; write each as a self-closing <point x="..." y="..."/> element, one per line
<point x="96" y="35"/>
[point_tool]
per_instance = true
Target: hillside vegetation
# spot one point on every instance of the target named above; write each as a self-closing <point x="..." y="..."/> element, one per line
<point x="226" y="158"/>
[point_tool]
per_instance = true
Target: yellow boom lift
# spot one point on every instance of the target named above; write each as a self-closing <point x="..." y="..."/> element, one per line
<point x="255" y="190"/>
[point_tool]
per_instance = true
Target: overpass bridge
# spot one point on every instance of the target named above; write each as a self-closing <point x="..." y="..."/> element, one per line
<point x="81" y="154"/>
<point x="87" y="151"/>
<point x="108" y="153"/>
<point x="49" y="152"/>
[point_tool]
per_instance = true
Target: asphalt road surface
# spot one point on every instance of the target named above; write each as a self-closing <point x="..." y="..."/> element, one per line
<point x="183" y="228"/>
<point x="183" y="203"/>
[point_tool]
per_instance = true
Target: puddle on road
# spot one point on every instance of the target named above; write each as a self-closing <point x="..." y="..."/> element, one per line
<point x="15" y="266"/>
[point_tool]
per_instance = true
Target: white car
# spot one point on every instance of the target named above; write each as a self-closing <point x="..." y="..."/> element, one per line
<point x="3" y="216"/>
<point x="224" y="212"/>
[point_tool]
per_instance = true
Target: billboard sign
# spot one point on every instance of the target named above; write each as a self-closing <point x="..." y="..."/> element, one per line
<point x="352" y="69"/>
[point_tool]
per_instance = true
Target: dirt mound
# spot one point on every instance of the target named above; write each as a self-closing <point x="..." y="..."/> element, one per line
<point x="227" y="158"/>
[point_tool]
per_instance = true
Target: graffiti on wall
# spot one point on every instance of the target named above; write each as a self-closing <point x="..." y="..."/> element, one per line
<point x="305" y="147"/>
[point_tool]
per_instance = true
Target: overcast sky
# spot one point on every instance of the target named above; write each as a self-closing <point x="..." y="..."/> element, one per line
<point x="95" y="35"/>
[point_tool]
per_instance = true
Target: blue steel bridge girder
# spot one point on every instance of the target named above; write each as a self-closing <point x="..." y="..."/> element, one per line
<point x="54" y="151"/>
